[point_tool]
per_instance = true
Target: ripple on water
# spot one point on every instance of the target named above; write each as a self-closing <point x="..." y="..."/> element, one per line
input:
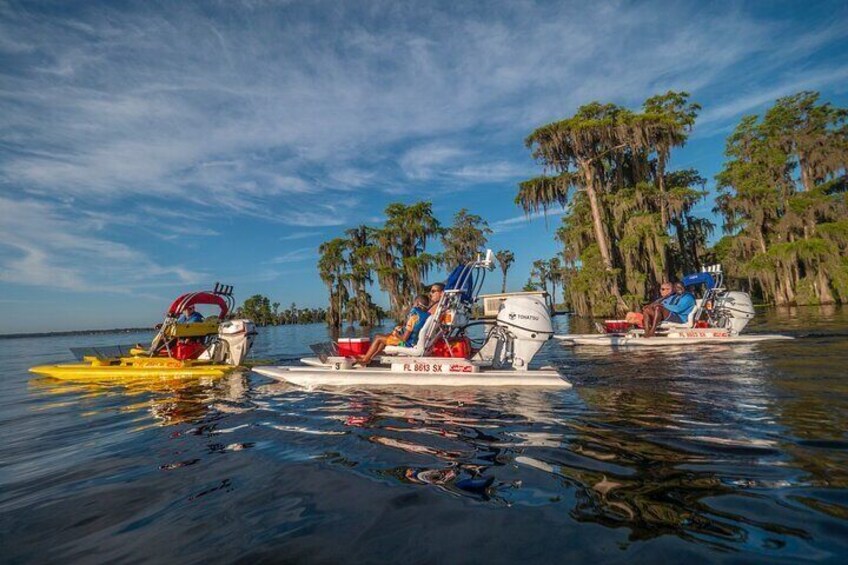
<point x="720" y="450"/>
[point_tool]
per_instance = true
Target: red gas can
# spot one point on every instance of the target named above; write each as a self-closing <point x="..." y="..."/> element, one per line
<point x="353" y="346"/>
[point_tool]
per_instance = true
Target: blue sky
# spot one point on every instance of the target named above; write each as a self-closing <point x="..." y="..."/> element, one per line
<point x="148" y="148"/>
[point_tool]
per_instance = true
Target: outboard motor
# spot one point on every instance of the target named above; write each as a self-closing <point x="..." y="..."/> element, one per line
<point x="523" y="325"/>
<point x="733" y="310"/>
<point x="235" y="338"/>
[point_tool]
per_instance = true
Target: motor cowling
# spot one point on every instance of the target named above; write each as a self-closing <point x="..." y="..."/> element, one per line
<point x="523" y="325"/>
<point x="734" y="310"/>
<point x="235" y="339"/>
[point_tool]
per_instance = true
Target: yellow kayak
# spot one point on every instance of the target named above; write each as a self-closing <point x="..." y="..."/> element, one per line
<point x="127" y="368"/>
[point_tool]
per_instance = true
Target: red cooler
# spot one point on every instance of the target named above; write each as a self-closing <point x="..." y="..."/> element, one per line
<point x="616" y="326"/>
<point x="353" y="346"/>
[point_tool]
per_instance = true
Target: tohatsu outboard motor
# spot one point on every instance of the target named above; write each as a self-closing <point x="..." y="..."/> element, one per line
<point x="523" y="325"/>
<point x="235" y="338"/>
<point x="733" y="310"/>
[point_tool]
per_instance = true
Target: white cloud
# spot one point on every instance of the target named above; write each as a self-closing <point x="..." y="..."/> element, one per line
<point x="732" y="109"/>
<point x="40" y="246"/>
<point x="498" y="171"/>
<point x="524" y="220"/>
<point x="300" y="235"/>
<point x="296" y="255"/>
<point x="425" y="161"/>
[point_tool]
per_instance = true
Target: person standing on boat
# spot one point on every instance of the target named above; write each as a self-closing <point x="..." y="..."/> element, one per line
<point x="406" y="335"/>
<point x="674" y="308"/>
<point x="189" y="316"/>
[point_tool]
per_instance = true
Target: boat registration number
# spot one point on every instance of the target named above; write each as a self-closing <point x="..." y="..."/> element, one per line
<point x="695" y="333"/>
<point x="437" y="368"/>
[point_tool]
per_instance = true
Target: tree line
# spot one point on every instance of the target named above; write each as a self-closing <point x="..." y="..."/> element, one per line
<point x="263" y="312"/>
<point x="629" y="220"/>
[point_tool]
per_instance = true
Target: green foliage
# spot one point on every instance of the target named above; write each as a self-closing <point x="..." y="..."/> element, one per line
<point x="782" y="201"/>
<point x="396" y="253"/>
<point x="260" y="309"/>
<point x="464" y="239"/>
<point x="505" y="259"/>
<point x="628" y="222"/>
<point x="346" y="267"/>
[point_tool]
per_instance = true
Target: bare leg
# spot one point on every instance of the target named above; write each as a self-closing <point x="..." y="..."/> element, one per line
<point x="377" y="347"/>
<point x="648" y="313"/>
<point x="660" y="314"/>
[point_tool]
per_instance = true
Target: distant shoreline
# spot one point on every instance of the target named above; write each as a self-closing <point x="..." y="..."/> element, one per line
<point x="75" y="332"/>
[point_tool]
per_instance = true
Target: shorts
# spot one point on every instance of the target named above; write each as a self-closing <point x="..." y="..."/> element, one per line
<point x="674" y="318"/>
<point x="393" y="340"/>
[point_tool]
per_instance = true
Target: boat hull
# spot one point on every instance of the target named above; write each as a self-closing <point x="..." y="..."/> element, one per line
<point x="611" y="340"/>
<point x="86" y="372"/>
<point x="376" y="377"/>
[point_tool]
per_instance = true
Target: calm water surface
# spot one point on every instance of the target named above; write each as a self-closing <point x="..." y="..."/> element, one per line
<point x="718" y="454"/>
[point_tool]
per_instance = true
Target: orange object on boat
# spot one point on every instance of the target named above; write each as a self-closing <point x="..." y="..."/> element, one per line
<point x="458" y="348"/>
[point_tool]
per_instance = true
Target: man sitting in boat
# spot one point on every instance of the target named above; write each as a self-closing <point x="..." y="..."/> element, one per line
<point x="406" y="335"/>
<point x="436" y="292"/>
<point x="638" y="318"/>
<point x="189" y="316"/>
<point x="674" y="308"/>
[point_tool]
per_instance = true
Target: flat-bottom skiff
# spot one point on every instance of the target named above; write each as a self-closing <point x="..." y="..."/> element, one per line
<point x="694" y="336"/>
<point x="422" y="371"/>
<point x="443" y="356"/>
<point x="718" y="318"/>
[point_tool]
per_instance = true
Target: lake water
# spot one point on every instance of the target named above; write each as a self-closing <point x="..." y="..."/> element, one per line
<point x="715" y="454"/>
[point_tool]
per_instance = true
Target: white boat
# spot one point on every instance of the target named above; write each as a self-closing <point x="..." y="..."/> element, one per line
<point x="522" y="327"/>
<point x="679" y="338"/>
<point x="717" y="319"/>
<point x="316" y="377"/>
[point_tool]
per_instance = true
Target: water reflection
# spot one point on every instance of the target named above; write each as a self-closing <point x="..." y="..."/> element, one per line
<point x="168" y="401"/>
<point x="658" y="451"/>
<point x="722" y="449"/>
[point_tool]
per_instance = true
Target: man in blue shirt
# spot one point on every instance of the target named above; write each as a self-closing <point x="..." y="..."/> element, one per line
<point x="675" y="308"/>
<point x="189" y="316"/>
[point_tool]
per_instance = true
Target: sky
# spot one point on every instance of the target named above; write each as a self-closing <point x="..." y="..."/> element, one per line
<point x="151" y="148"/>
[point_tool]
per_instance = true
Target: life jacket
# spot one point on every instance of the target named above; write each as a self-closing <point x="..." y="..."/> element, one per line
<point x="419" y="323"/>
